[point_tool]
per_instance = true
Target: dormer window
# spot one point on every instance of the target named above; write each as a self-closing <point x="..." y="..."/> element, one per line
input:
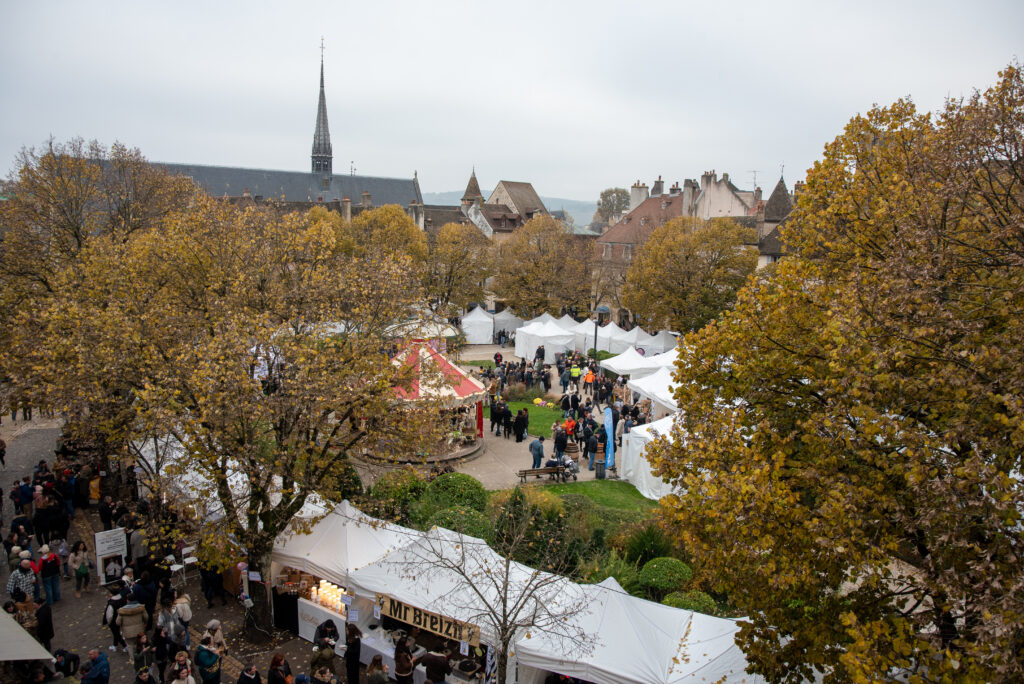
<point x="643" y="220"/>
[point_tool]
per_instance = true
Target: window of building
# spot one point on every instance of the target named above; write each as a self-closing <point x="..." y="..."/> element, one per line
<point x="607" y="252"/>
<point x="627" y="252"/>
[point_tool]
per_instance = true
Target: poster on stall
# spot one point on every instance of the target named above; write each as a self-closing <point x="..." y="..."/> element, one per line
<point x="111" y="550"/>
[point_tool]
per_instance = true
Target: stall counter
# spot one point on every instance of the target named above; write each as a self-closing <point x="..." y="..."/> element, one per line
<point x="376" y="642"/>
<point x="312" y="614"/>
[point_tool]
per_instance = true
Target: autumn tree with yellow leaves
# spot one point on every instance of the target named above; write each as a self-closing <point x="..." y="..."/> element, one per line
<point x="688" y="272"/>
<point x="543" y="267"/>
<point x="851" y="433"/>
<point x="248" y="347"/>
<point x="457" y="267"/>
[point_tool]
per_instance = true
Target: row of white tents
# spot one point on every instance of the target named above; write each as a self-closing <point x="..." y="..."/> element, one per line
<point x="651" y="378"/>
<point x="625" y="640"/>
<point x="563" y="334"/>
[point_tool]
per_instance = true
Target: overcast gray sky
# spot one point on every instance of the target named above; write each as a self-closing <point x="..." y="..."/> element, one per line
<point x="572" y="96"/>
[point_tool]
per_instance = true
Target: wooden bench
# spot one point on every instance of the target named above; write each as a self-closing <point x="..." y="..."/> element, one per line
<point x="553" y="473"/>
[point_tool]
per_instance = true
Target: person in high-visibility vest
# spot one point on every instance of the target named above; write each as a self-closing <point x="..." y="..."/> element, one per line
<point x="575" y="372"/>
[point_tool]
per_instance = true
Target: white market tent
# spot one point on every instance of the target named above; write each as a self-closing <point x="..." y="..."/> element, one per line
<point x="652" y="363"/>
<point x="543" y="318"/>
<point x="342" y="541"/>
<point x="584" y="335"/>
<point x="638" y="642"/>
<point x="567" y="322"/>
<point x="17" y="644"/>
<point x="662" y="342"/>
<point x="632" y="338"/>
<point x="633" y="463"/>
<point x="554" y="338"/>
<point x="478" y="326"/>
<point x="606" y="334"/>
<point x="625" y="363"/>
<point x="507" y="321"/>
<point x="658" y="388"/>
<point x="419" y="574"/>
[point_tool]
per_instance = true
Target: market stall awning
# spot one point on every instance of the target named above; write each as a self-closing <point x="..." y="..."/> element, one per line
<point x="639" y="642"/>
<point x="435" y="377"/>
<point x="17" y="644"/>
<point x="342" y="541"/>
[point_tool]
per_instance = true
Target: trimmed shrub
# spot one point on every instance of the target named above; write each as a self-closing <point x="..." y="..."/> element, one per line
<point x="692" y="600"/>
<point x="659" y="576"/>
<point x="393" y="495"/>
<point x="468" y="521"/>
<point x="452" y="490"/>
<point x="403" y="484"/>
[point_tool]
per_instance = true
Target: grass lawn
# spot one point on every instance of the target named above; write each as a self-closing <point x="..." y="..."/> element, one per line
<point x="479" y="363"/>
<point x="613" y="494"/>
<point x="541" y="417"/>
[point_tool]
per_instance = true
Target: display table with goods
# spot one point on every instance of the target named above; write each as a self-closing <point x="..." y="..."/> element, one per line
<point x="318" y="600"/>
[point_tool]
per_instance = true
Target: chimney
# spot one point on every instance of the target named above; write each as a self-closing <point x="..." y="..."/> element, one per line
<point x="674" y="190"/>
<point x="706" y="179"/>
<point x="367" y="202"/>
<point x="346" y="208"/>
<point x="658" y="189"/>
<point x="798" y="188"/>
<point x="637" y="194"/>
<point x="757" y="195"/>
<point x="725" y="177"/>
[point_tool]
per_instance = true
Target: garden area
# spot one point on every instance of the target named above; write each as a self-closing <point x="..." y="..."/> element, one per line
<point x="541" y="417"/>
<point x="588" y="531"/>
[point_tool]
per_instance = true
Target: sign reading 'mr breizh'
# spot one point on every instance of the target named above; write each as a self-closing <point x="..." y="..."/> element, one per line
<point x="449" y="628"/>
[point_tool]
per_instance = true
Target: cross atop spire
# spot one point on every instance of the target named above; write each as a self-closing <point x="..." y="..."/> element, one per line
<point x="323" y="155"/>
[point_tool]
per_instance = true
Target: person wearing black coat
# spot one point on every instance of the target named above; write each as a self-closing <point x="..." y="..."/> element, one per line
<point x="354" y="644"/>
<point x="44" y="625"/>
<point x="519" y="426"/>
<point x="561" y="442"/>
<point x="591" y="449"/>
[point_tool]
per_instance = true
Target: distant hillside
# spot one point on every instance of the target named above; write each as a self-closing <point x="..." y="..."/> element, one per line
<point x="581" y="212"/>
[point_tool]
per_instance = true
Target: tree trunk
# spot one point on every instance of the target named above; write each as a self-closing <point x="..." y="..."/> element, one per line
<point x="502" y="663"/>
<point x="259" y="625"/>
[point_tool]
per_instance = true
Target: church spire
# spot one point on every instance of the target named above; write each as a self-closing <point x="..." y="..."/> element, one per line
<point x="322" y="154"/>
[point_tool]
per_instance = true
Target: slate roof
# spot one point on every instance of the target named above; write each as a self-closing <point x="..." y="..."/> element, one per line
<point x="298" y="186"/>
<point x="437" y="215"/>
<point x="322" y="134"/>
<point x="771" y="244"/>
<point x="525" y="199"/>
<point x="779" y="203"/>
<point x="472" y="189"/>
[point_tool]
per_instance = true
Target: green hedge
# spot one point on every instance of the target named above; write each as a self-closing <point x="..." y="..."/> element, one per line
<point x="692" y="600"/>
<point x="660" y="576"/>
<point x="468" y="521"/>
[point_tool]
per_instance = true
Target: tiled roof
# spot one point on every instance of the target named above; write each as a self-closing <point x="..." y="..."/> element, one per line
<point x="525" y="199"/>
<point x="779" y="204"/>
<point x="298" y="186"/>
<point x="636" y="226"/>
